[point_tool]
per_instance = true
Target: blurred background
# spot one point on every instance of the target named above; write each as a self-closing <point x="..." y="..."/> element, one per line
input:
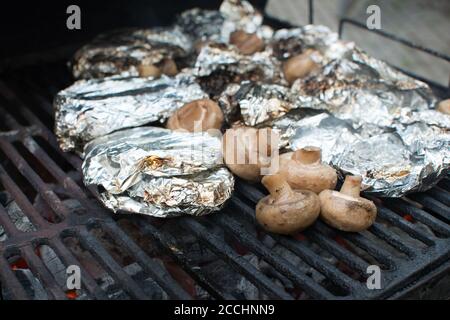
<point x="424" y="22"/>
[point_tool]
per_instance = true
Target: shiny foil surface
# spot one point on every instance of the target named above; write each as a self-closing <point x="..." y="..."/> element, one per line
<point x="393" y="161"/>
<point x="121" y="52"/>
<point x="91" y="108"/>
<point x="158" y="172"/>
<point x="255" y="103"/>
<point x="260" y="66"/>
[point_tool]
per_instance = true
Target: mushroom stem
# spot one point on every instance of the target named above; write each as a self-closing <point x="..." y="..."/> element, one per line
<point x="308" y="155"/>
<point x="278" y="187"/>
<point x="352" y="186"/>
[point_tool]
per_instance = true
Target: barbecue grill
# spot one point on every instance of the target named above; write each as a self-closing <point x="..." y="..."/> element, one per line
<point x="49" y="221"/>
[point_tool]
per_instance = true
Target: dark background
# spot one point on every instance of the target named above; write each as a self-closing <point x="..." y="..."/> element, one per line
<point x="40" y="26"/>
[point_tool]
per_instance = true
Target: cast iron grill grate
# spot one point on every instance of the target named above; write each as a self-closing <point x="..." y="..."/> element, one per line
<point x="409" y="241"/>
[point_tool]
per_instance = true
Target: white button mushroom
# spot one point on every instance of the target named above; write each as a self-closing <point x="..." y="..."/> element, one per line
<point x="166" y="66"/>
<point x="246" y="150"/>
<point x="305" y="170"/>
<point x="246" y="43"/>
<point x="286" y="211"/>
<point x="346" y="210"/>
<point x="299" y="66"/>
<point x="198" y="115"/>
<point x="444" y="106"/>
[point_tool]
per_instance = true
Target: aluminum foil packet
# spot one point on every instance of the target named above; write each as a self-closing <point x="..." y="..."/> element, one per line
<point x="254" y="103"/>
<point x="364" y="90"/>
<point x="393" y="161"/>
<point x="260" y="66"/>
<point x="91" y="108"/>
<point x="217" y="25"/>
<point x="121" y="52"/>
<point x="158" y="172"/>
<point x="287" y="43"/>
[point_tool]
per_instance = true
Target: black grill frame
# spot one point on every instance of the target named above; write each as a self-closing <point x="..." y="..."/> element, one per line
<point x="25" y="105"/>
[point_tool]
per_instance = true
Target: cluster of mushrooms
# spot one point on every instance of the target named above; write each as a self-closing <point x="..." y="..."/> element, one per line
<point x="302" y="190"/>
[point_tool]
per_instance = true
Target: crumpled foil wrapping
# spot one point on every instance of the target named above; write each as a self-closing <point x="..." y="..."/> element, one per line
<point x="255" y="103"/>
<point x="121" y="52"/>
<point x="368" y="118"/>
<point x="364" y="90"/>
<point x="215" y="57"/>
<point x="393" y="161"/>
<point x="92" y="108"/>
<point x="158" y="172"/>
<point x="216" y="26"/>
<point x="287" y="43"/>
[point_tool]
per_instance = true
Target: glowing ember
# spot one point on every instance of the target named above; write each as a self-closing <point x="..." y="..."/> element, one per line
<point x="71" y="294"/>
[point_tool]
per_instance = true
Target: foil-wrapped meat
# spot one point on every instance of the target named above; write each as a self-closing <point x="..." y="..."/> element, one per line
<point x="92" y="108"/>
<point x="158" y="172"/>
<point x="124" y="52"/>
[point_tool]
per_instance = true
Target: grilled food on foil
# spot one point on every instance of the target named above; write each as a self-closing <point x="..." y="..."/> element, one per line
<point x="127" y="52"/>
<point x="255" y="103"/>
<point x="92" y="108"/>
<point x="217" y="25"/>
<point x="158" y="172"/>
<point x="314" y="89"/>
<point x="392" y="161"/>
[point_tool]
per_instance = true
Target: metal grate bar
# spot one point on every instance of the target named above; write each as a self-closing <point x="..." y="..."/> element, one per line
<point x="432" y="205"/>
<point x="305" y="253"/>
<point x="280" y="264"/>
<point x="405" y="225"/>
<point x="240" y="264"/>
<point x="380" y="231"/>
<point x="40" y="270"/>
<point x="36" y="219"/>
<point x="364" y="243"/>
<point x="181" y="257"/>
<point x="68" y="259"/>
<point x="157" y="273"/>
<point x="331" y="272"/>
<point x="420" y="215"/>
<point x="440" y="195"/>
<point x="96" y="249"/>
<point x="40" y="186"/>
<point x="7" y="224"/>
<point x="350" y="259"/>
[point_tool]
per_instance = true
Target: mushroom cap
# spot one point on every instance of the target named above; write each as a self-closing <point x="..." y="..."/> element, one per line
<point x="346" y="213"/>
<point x="149" y="70"/>
<point x="444" y="106"/>
<point x="244" y="158"/>
<point x="304" y="170"/>
<point x="290" y="216"/>
<point x="167" y="66"/>
<point x="299" y="66"/>
<point x="316" y="177"/>
<point x="203" y="114"/>
<point x="247" y="43"/>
